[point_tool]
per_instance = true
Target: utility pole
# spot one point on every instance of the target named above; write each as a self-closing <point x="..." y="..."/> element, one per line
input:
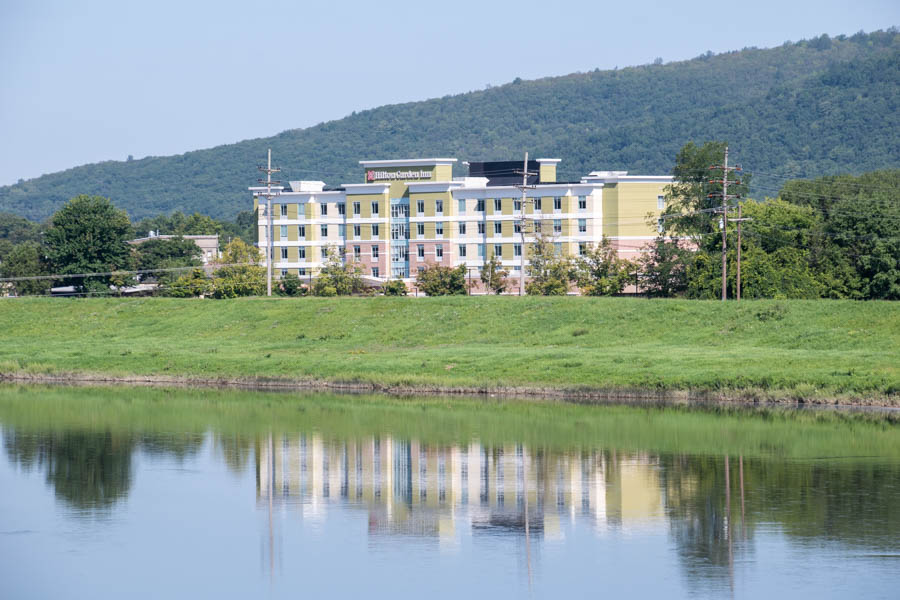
<point x="739" y="220"/>
<point x="724" y="210"/>
<point x="521" y="221"/>
<point x="268" y="170"/>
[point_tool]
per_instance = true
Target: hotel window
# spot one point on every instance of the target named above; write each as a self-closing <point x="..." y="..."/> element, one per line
<point x="537" y="226"/>
<point x="439" y="251"/>
<point x="374" y="271"/>
<point x="660" y="202"/>
<point x="420" y="251"/>
<point x="324" y="210"/>
<point x="324" y="252"/>
<point x="284" y="254"/>
<point x="480" y="250"/>
<point x="659" y="225"/>
<point x="376" y="230"/>
<point x="557" y="203"/>
<point x="420" y="230"/>
<point x="301" y="231"/>
<point x="462" y="207"/>
<point x="557" y="247"/>
<point x="356" y="209"/>
<point x="517" y="249"/>
<point x="283" y="273"/>
<point x="399" y="253"/>
<point x="462" y="229"/>
<point x="357" y="252"/>
<point x="420" y="207"/>
<point x="517" y="205"/>
<point x="498" y="249"/>
<point x="324" y="231"/>
<point x="342" y="231"/>
<point x="517" y="227"/>
<point x="399" y="231"/>
<point x="498" y="205"/>
<point x="498" y="228"/>
<point x="375" y="209"/>
<point x="301" y="252"/>
<point x="439" y="229"/>
<point x="342" y="209"/>
<point x="481" y="228"/>
<point x="582" y="225"/>
<point x="357" y="229"/>
<point x="284" y="210"/>
<point x="557" y="226"/>
<point x="479" y="205"/>
<point x="439" y="207"/>
<point x="284" y="232"/>
<point x="399" y="211"/>
<point x="420" y="269"/>
<point x="537" y="204"/>
<point x="374" y="251"/>
<point x="301" y="272"/>
<point x="462" y="250"/>
<point x="582" y="202"/>
<point x="582" y="248"/>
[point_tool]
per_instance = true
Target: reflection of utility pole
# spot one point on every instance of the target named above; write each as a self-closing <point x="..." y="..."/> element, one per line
<point x="741" y="467"/>
<point x="728" y="526"/>
<point x="527" y="533"/>
<point x="268" y="170"/>
<point x="521" y="221"/>
<point x="271" y="493"/>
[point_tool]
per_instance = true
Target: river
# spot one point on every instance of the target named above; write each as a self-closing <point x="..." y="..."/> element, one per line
<point x="151" y="493"/>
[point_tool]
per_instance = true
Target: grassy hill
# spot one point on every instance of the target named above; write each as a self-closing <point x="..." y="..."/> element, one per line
<point x="822" y="106"/>
<point x="782" y="349"/>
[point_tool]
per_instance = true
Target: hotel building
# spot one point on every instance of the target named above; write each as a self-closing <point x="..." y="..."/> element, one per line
<point x="407" y="214"/>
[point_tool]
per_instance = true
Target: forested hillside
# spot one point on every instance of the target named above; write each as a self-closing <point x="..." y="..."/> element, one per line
<point x="822" y="106"/>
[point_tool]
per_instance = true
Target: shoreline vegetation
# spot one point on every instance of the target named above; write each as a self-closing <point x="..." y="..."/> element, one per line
<point x="753" y="432"/>
<point x="578" y="349"/>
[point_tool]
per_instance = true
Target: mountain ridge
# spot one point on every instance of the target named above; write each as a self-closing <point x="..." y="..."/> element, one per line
<point x="815" y="107"/>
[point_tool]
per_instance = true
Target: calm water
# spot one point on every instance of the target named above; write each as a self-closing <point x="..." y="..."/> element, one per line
<point x="111" y="493"/>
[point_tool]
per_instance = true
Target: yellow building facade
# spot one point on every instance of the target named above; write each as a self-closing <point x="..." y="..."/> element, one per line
<point x="407" y="214"/>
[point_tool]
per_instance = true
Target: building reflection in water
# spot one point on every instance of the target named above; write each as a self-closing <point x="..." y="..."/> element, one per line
<point x="413" y="488"/>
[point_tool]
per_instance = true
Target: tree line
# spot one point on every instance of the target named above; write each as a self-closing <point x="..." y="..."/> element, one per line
<point x="831" y="237"/>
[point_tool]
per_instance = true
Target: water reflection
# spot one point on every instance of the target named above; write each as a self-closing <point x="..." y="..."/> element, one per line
<point x="712" y="513"/>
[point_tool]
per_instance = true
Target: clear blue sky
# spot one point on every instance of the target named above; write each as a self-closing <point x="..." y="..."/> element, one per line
<point x="90" y="80"/>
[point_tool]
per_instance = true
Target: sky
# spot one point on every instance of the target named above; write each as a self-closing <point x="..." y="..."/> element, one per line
<point x="92" y="80"/>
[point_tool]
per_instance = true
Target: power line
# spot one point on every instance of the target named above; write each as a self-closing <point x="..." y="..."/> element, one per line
<point x="121" y="272"/>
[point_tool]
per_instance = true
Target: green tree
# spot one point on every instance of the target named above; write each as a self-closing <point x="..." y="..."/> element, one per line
<point x="663" y="266"/>
<point x="437" y="280"/>
<point x="494" y="276"/>
<point x="860" y="216"/>
<point x="168" y="253"/>
<point x="88" y="235"/>
<point x="26" y="260"/>
<point x="600" y="271"/>
<point x="18" y="229"/>
<point x="290" y="285"/>
<point x="549" y="271"/>
<point x="394" y="287"/>
<point x="337" y="278"/>
<point x="196" y="283"/>
<point x="689" y="208"/>
<point x="241" y="276"/>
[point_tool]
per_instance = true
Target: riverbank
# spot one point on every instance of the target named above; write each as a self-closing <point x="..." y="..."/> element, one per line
<point x="583" y="348"/>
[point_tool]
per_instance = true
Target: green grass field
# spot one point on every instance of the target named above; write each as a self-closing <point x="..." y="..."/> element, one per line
<point x="779" y="349"/>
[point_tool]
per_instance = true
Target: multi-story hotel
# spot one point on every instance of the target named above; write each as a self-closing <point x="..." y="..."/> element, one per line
<point x="409" y="213"/>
